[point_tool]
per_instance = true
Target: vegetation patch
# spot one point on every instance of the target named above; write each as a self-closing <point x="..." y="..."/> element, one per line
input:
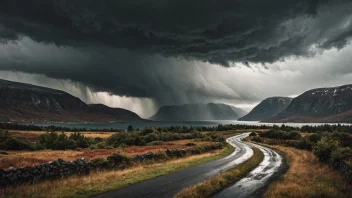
<point x="101" y="181"/>
<point x="223" y="180"/>
<point x="333" y="148"/>
<point x="307" y="177"/>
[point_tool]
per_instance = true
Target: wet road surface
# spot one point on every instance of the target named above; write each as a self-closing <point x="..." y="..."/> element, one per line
<point x="170" y="184"/>
<point x="258" y="178"/>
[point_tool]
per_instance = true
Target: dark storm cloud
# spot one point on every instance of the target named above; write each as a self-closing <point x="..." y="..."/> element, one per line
<point x="159" y="49"/>
<point x="121" y="72"/>
<point x="215" y="31"/>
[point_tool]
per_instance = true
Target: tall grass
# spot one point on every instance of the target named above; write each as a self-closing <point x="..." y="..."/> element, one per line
<point x="307" y="177"/>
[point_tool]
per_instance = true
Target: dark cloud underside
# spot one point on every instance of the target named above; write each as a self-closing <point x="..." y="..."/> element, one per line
<point x="163" y="49"/>
<point x="215" y="31"/>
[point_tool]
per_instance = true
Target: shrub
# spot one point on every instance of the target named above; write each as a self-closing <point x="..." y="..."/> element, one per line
<point x="324" y="148"/>
<point x="253" y="134"/>
<point x="274" y="134"/>
<point x="12" y="143"/>
<point x="151" y="137"/>
<point x="342" y="153"/>
<point x="100" y="162"/>
<point x="190" y="144"/>
<point x="123" y="145"/>
<point x="154" y="143"/>
<point x="130" y="138"/>
<point x="101" y="145"/>
<point x="39" y="146"/>
<point x="81" y="141"/>
<point x="314" y="137"/>
<point x="119" y="159"/>
<point x="129" y="128"/>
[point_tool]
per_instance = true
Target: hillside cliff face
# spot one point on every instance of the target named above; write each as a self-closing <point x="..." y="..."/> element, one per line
<point x="21" y="102"/>
<point x="192" y="112"/>
<point x="267" y="108"/>
<point x="319" y="105"/>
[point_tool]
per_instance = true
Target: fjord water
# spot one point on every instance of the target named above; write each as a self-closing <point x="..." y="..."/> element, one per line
<point x="206" y="123"/>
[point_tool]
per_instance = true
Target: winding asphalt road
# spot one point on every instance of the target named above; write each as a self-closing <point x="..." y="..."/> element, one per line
<point x="170" y="184"/>
<point x="257" y="179"/>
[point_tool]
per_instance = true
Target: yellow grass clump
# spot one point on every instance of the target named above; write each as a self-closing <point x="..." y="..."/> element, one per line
<point x="307" y="177"/>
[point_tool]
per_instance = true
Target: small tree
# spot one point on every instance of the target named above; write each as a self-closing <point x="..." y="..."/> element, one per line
<point x="129" y="128"/>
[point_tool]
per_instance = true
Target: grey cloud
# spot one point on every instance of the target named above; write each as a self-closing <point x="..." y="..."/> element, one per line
<point x="215" y="31"/>
<point x="120" y="72"/>
<point x="166" y="50"/>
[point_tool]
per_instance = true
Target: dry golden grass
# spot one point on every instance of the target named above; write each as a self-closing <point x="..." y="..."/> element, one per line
<point x="34" y="135"/>
<point x="307" y="177"/>
<point x="215" y="184"/>
<point x="31" y="158"/>
<point x="85" y="186"/>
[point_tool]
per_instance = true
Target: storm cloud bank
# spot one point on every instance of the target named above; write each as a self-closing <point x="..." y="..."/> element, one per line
<point x="176" y="51"/>
<point x="215" y="31"/>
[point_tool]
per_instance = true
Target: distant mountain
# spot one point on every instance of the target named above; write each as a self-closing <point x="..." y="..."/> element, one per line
<point x="21" y="102"/>
<point x="267" y="108"/>
<point x="319" y="105"/>
<point x="188" y="112"/>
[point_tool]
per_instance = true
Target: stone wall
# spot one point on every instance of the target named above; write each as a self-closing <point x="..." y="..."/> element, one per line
<point x="60" y="168"/>
<point x="55" y="169"/>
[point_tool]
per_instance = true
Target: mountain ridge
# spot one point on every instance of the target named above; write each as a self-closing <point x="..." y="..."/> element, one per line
<point x="330" y="104"/>
<point x="20" y="102"/>
<point x="267" y="108"/>
<point x="198" y="111"/>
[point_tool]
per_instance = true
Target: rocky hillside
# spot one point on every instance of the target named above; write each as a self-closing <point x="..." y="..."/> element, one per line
<point x="319" y="105"/>
<point x="267" y="108"/>
<point x="21" y="102"/>
<point x="188" y="112"/>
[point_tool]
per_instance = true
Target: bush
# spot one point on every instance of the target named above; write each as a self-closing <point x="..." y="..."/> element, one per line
<point x="253" y="134"/>
<point x="151" y="137"/>
<point x="324" y="148"/>
<point x="215" y="137"/>
<point x="119" y="159"/>
<point x="12" y="143"/>
<point x="130" y="138"/>
<point x="100" y="162"/>
<point x="342" y="153"/>
<point x="274" y="134"/>
<point x="314" y="137"/>
<point x="81" y="141"/>
<point x="190" y="144"/>
<point x="154" y="143"/>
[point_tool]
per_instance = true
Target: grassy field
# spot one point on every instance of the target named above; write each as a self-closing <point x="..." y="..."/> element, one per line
<point x="85" y="186"/>
<point x="30" y="158"/>
<point x="307" y="177"/>
<point x="34" y="135"/>
<point x="223" y="180"/>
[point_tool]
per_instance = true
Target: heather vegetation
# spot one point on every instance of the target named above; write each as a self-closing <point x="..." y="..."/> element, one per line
<point x="77" y="140"/>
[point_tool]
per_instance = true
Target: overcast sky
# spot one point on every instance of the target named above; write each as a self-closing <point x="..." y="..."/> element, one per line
<point x="142" y="54"/>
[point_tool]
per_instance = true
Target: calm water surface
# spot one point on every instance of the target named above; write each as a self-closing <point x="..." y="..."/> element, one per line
<point x="207" y="123"/>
